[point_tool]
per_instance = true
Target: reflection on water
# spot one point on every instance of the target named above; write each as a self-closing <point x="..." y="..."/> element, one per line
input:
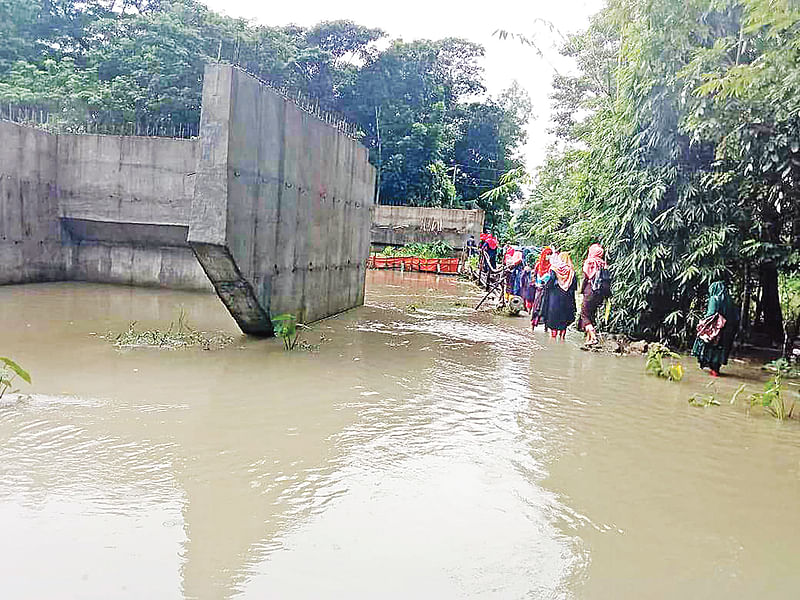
<point x="425" y="451"/>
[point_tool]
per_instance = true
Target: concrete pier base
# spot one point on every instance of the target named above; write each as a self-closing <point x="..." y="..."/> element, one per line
<point x="270" y="207"/>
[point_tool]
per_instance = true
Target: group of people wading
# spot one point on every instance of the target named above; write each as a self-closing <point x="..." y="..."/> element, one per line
<point x="550" y="292"/>
<point x="548" y="285"/>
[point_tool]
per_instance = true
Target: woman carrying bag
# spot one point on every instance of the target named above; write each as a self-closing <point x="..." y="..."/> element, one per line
<point x="716" y="332"/>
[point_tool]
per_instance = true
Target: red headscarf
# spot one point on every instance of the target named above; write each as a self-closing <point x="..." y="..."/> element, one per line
<point x="491" y="241"/>
<point x="543" y="265"/>
<point x="594" y="261"/>
<point x="484" y="236"/>
<point x="565" y="271"/>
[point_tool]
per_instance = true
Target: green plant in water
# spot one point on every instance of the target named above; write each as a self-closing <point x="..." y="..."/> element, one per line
<point x="737" y="393"/>
<point x="9" y="371"/>
<point x="656" y="354"/>
<point x="288" y="329"/>
<point x="706" y="399"/>
<point x="772" y="399"/>
<point x="179" y="334"/>
<point x="786" y="369"/>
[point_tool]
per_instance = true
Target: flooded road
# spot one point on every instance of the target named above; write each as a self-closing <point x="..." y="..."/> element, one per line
<point x="425" y="451"/>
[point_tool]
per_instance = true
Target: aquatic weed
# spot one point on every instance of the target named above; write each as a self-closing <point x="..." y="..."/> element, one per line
<point x="703" y="400"/>
<point x="179" y="334"/>
<point x="288" y="329"/>
<point x="786" y="369"/>
<point x="9" y="371"/>
<point x="656" y="354"/>
<point x="772" y="399"/>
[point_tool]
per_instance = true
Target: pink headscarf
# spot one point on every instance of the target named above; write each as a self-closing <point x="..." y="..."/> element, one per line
<point x="513" y="257"/>
<point x="594" y="261"/>
<point x="565" y="272"/>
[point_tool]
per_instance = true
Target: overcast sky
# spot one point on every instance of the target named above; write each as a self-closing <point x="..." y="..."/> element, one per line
<point x="433" y="19"/>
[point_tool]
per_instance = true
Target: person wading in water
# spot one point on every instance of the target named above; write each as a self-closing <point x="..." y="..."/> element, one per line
<point x="539" y="278"/>
<point x="716" y="332"/>
<point x="596" y="288"/>
<point x="560" y="304"/>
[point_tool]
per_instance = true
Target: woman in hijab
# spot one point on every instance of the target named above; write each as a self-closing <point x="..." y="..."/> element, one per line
<point x="514" y="271"/>
<point x="539" y="279"/>
<point x="593" y="294"/>
<point x="481" y="252"/>
<point x="491" y="250"/>
<point x="560" y="309"/>
<point x="527" y="281"/>
<point x="714" y="353"/>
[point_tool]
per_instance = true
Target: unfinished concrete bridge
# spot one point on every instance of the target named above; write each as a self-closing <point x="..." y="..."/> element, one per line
<point x="271" y="206"/>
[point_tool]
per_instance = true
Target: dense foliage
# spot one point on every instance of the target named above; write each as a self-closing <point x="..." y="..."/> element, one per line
<point x="679" y="150"/>
<point x="422" y="108"/>
<point x="440" y="249"/>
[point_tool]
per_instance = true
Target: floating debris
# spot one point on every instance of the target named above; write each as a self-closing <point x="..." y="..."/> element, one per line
<point x="178" y="335"/>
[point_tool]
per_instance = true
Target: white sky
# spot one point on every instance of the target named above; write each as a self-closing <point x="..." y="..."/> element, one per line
<point x="434" y="19"/>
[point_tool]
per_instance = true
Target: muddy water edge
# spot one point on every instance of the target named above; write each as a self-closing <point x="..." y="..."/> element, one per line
<point x="425" y="450"/>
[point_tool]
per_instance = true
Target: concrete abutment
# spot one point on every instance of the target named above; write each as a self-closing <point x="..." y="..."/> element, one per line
<point x="270" y="207"/>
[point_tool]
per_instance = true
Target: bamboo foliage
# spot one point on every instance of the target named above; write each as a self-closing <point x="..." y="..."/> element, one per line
<point x="691" y="169"/>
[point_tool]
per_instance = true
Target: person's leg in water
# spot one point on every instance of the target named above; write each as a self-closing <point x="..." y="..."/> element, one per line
<point x="591" y="335"/>
<point x="713" y="368"/>
<point x="554" y="333"/>
<point x="562" y="334"/>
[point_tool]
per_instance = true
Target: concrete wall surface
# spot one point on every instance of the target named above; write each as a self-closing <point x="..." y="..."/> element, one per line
<point x="270" y="207"/>
<point x="124" y="207"/>
<point x="126" y="179"/>
<point x="130" y="264"/>
<point x="399" y="225"/>
<point x="30" y="235"/>
<point x="282" y="208"/>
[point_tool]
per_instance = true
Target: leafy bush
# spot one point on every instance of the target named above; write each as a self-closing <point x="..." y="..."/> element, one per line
<point x="438" y="249"/>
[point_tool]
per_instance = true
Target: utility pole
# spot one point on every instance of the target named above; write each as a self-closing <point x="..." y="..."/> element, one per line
<point x="380" y="159"/>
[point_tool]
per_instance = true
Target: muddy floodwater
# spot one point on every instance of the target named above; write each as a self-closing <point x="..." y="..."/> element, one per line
<point x="424" y="451"/>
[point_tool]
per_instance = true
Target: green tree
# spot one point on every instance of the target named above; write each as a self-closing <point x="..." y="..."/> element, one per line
<point x="103" y="62"/>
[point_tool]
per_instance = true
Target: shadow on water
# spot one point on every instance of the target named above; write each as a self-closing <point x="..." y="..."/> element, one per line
<point x="425" y="449"/>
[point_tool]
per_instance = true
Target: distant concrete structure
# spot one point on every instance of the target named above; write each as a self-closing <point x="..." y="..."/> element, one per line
<point x="270" y="206"/>
<point x="399" y="225"/>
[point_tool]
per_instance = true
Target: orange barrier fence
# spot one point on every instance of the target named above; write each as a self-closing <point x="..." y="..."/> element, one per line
<point x="414" y="263"/>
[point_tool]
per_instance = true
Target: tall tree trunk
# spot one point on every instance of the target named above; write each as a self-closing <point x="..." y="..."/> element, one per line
<point x="770" y="304"/>
<point x="744" y="316"/>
